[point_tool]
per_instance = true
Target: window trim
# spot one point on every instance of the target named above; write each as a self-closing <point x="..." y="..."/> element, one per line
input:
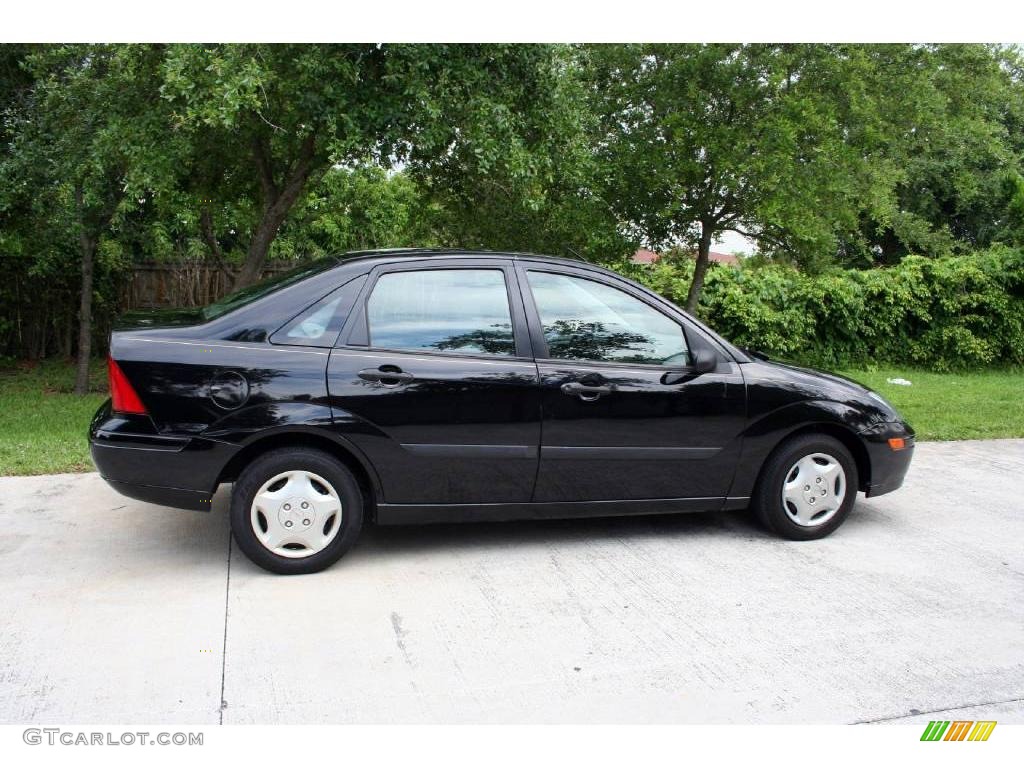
<point x="540" y="344"/>
<point x="356" y="332"/>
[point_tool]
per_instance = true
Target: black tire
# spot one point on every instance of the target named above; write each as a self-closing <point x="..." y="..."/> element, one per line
<point x="272" y="463"/>
<point x="767" y="502"/>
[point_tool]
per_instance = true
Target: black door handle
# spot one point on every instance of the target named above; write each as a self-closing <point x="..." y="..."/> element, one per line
<point x="387" y="378"/>
<point x="586" y="392"/>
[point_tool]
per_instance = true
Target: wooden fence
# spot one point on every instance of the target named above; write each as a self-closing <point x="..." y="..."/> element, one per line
<point x="181" y="284"/>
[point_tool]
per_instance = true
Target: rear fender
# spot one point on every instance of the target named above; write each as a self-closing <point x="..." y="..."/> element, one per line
<point x="273" y="422"/>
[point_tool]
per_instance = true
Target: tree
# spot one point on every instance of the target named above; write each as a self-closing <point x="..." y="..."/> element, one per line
<point x="950" y="123"/>
<point x="76" y="139"/>
<point x="269" y="121"/>
<point x="698" y="140"/>
<point x="359" y="208"/>
<point x="521" y="177"/>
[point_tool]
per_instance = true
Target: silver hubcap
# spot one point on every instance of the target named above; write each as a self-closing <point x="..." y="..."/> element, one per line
<point x="814" y="490"/>
<point x="296" y="514"/>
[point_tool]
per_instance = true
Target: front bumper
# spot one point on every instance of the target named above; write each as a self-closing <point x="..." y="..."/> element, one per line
<point x="888" y="466"/>
<point x="138" y="462"/>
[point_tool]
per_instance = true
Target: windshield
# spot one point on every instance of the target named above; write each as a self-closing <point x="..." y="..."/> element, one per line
<point x="250" y="294"/>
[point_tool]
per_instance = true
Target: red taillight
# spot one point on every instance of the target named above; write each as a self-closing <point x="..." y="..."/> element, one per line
<point x="121" y="391"/>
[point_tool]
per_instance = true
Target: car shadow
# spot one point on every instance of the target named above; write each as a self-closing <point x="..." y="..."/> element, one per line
<point x="410" y="539"/>
<point x="210" y="530"/>
<point x="204" y="535"/>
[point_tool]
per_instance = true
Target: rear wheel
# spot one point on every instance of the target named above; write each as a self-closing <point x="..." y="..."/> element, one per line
<point x="296" y="510"/>
<point x="807" y="487"/>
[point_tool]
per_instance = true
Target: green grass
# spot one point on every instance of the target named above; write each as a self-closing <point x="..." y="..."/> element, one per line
<point x="43" y="425"/>
<point x="954" y="406"/>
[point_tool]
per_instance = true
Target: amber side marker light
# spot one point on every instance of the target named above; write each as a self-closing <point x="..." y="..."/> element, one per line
<point x="123" y="395"/>
<point x="897" y="443"/>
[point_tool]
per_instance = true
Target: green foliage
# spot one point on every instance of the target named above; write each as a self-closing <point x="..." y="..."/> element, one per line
<point x="85" y="146"/>
<point x="856" y="154"/>
<point x="523" y="178"/>
<point x="358" y="208"/>
<point x="266" y="121"/>
<point x="947" y="131"/>
<point x="697" y="140"/>
<point x="948" y="313"/>
<point x="838" y="154"/>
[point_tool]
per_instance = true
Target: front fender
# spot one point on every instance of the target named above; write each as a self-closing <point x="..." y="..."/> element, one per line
<point x="794" y="416"/>
<point x="764" y="433"/>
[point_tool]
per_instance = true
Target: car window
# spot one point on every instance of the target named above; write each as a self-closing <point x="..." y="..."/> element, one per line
<point x="265" y="287"/>
<point x="442" y="310"/>
<point x="319" y="325"/>
<point x="587" y="320"/>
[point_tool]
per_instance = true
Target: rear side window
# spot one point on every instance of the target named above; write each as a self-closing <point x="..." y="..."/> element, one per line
<point x="587" y="320"/>
<point x="320" y="324"/>
<point x="442" y="310"/>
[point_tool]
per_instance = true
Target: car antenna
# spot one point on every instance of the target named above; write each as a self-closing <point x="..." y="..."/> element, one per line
<point x="574" y="254"/>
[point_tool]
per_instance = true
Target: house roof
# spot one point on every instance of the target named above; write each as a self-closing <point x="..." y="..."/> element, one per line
<point x="645" y="256"/>
<point x="723" y="258"/>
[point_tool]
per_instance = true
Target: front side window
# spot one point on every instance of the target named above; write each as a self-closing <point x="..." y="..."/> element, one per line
<point x="442" y="310"/>
<point x="587" y="320"/>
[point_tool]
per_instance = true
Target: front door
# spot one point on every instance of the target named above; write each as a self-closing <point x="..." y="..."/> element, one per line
<point x="435" y="384"/>
<point x="625" y="416"/>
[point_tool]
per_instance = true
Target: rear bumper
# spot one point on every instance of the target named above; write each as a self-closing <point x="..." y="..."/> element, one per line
<point x="179" y="498"/>
<point x="174" y="471"/>
<point x="888" y="466"/>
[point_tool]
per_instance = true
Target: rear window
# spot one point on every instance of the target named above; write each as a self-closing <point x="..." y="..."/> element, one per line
<point x="248" y="295"/>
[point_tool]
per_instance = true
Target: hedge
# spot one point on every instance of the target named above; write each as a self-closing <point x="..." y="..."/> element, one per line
<point x="944" y="314"/>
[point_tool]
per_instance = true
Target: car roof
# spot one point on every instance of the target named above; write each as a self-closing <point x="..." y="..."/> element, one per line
<point x="450" y="252"/>
<point x="384" y="253"/>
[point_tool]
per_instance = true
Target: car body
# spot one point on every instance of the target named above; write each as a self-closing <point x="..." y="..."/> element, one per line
<point x="461" y="386"/>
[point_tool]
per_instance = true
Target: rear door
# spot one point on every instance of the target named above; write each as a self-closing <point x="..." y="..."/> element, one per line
<point x="625" y="416"/>
<point x="435" y="376"/>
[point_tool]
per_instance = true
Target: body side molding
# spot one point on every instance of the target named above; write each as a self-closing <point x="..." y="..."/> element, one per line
<point x="414" y="514"/>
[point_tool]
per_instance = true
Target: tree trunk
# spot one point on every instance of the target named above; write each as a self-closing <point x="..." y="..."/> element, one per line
<point x="277" y="203"/>
<point x="701" y="268"/>
<point x="88" y="245"/>
<point x="91" y="225"/>
<point x="259" y="247"/>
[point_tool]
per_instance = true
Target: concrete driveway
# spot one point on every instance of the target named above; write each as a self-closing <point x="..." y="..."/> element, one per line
<point x="112" y="610"/>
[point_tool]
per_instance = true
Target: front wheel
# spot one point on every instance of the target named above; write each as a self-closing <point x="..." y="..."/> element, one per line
<point x="807" y="487"/>
<point x="296" y="510"/>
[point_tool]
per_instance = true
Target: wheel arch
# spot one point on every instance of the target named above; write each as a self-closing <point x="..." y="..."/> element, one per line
<point x="367" y="478"/>
<point x="763" y="436"/>
<point x="843" y="434"/>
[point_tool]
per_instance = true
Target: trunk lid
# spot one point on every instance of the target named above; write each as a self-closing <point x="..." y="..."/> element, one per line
<point x="146" y="319"/>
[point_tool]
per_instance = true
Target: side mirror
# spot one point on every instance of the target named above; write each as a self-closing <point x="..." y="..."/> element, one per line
<point x="704" y="360"/>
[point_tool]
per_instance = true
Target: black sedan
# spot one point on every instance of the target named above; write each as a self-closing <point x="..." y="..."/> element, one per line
<point x="421" y="386"/>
